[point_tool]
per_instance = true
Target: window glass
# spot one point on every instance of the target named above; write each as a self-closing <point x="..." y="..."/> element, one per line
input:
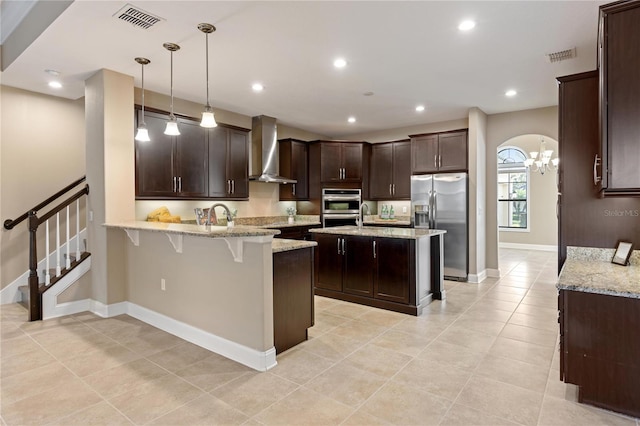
<point x="513" y="196"/>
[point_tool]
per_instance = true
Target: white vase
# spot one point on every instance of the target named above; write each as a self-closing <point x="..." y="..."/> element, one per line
<point x="291" y="219"/>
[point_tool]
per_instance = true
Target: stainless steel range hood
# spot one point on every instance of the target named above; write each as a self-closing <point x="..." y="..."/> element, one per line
<point x="264" y="151"/>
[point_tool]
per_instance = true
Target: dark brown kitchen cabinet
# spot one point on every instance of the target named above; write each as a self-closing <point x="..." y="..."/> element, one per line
<point x="599" y="349"/>
<point x="294" y="164"/>
<point x="372" y="271"/>
<point x="393" y="265"/>
<point x="619" y="60"/>
<point x="229" y="163"/>
<point x="439" y="152"/>
<point x="357" y="268"/>
<point x="171" y="166"/>
<point x="584" y="218"/>
<point x="390" y="172"/>
<point x="328" y="262"/>
<point x="293" y="310"/>
<point x="340" y="161"/>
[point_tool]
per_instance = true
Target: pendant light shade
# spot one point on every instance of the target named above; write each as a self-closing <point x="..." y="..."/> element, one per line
<point x="142" y="134"/>
<point x="208" y="119"/>
<point x="172" y="124"/>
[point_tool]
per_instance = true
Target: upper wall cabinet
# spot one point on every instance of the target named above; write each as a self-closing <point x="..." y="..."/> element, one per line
<point x="339" y="161"/>
<point x="390" y="174"/>
<point x="198" y="164"/>
<point x="294" y="164"/>
<point x="228" y="163"/>
<point x="619" y="60"/>
<point x="172" y="166"/>
<point x="439" y="152"/>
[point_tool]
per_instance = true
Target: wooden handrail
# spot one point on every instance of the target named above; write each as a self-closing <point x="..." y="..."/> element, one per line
<point x="63" y="204"/>
<point x="9" y="223"/>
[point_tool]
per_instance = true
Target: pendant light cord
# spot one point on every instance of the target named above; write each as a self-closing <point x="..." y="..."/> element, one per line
<point x="172" y="116"/>
<point x="143" y="123"/>
<point x="207" y="59"/>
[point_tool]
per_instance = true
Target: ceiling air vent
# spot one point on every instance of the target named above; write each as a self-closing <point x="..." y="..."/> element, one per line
<point x="137" y="17"/>
<point x="561" y="55"/>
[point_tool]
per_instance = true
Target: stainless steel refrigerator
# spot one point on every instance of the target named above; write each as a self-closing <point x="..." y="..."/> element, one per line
<point x="440" y="201"/>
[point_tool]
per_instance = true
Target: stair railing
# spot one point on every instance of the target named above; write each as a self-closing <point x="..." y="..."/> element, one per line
<point x="34" y="222"/>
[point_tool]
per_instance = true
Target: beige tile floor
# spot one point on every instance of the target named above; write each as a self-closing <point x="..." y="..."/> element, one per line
<point x="486" y="356"/>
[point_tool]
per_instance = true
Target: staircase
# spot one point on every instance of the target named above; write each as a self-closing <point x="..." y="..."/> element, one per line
<point x="62" y="266"/>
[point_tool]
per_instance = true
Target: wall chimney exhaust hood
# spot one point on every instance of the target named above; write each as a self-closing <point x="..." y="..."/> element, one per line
<point x="264" y="151"/>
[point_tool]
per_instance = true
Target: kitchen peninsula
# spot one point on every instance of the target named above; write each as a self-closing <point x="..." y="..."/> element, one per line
<point x="599" y="316"/>
<point x="399" y="269"/>
<point x="211" y="285"/>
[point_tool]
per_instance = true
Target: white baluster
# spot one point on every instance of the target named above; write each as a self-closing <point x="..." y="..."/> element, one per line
<point x="47" y="277"/>
<point x="77" y="230"/>
<point x="67" y="263"/>
<point x="58" y="269"/>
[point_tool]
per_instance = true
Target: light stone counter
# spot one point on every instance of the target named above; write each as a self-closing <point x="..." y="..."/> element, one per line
<point x="590" y="270"/>
<point x="281" y="244"/>
<point x="380" y="232"/>
<point x="194" y="230"/>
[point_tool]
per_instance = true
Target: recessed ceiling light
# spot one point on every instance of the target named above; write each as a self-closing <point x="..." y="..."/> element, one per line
<point x="52" y="72"/>
<point x="55" y="85"/>
<point x="257" y="87"/>
<point x="368" y="93"/>
<point x="351" y="119"/>
<point x="466" y="25"/>
<point x="420" y="108"/>
<point x="510" y="93"/>
<point x="340" y="63"/>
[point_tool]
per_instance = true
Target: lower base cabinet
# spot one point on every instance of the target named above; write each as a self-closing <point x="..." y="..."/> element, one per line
<point x="292" y="297"/>
<point x="600" y="349"/>
<point x="378" y="272"/>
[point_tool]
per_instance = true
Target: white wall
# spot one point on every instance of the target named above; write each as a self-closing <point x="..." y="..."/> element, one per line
<point x="543" y="223"/>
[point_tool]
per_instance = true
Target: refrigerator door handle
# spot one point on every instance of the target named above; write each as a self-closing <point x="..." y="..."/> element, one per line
<point x="434" y="209"/>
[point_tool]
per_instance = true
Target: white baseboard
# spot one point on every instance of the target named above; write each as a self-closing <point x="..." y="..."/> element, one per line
<point x="11" y="294"/>
<point x="107" y="311"/>
<point x="539" y="247"/>
<point x="493" y="273"/>
<point x="477" y="278"/>
<point x="261" y="361"/>
<point x="68" y="308"/>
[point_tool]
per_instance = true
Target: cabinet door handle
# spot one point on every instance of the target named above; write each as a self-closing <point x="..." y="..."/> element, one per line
<point x="293" y="189"/>
<point x="229" y="186"/>
<point x="233" y="186"/>
<point x="344" y="251"/>
<point x="390" y="190"/>
<point x="394" y="189"/>
<point x="374" y="249"/>
<point x="439" y="161"/>
<point x="175" y="184"/>
<point x="339" y="252"/>
<point x="435" y="160"/>
<point x="596" y="163"/>
<point x="179" y="183"/>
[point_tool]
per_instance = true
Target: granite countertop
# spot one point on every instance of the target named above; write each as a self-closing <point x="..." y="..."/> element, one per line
<point x="289" y="225"/>
<point x="590" y="270"/>
<point x="194" y="230"/>
<point x="377" y="231"/>
<point x="282" y="244"/>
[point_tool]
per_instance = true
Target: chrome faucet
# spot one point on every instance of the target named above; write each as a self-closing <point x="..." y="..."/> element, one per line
<point x="360" y="212"/>
<point x="215" y="217"/>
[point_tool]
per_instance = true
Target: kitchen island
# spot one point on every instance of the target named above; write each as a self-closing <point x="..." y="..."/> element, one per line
<point x="599" y="316"/>
<point x="210" y="285"/>
<point x="399" y="269"/>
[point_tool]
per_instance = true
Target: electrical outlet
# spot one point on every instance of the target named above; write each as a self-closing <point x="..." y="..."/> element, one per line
<point x="90" y="215"/>
<point x="404" y="209"/>
<point x="163" y="284"/>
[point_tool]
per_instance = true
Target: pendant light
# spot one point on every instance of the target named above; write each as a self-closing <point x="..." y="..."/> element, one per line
<point x="207" y="115"/>
<point x="172" y="124"/>
<point x="142" y="134"/>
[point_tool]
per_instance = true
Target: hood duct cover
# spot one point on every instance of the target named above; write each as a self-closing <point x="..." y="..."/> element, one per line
<point x="264" y="151"/>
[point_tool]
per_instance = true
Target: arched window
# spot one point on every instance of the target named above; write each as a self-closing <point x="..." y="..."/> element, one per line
<point x="513" y="190"/>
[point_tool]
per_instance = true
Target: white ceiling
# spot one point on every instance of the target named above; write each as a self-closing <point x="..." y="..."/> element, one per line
<point x="407" y="53"/>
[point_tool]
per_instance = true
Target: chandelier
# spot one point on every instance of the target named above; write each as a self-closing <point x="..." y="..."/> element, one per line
<point x="541" y="161"/>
